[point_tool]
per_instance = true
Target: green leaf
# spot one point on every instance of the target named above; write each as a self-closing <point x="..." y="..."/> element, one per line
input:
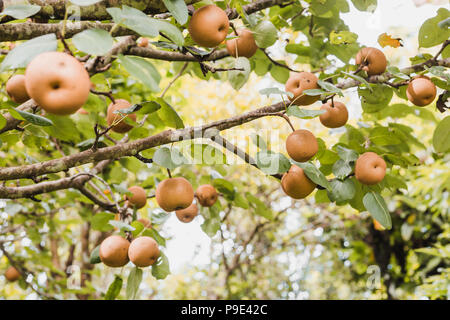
<point x="20" y="56"/>
<point x="133" y="282"/>
<point x="34" y="118"/>
<point x="347" y="154"/>
<point x="151" y="232"/>
<point x="258" y="140"/>
<point x="139" y="22"/>
<point x="430" y="34"/>
<point x="161" y="269"/>
<point x="83" y="3"/>
<point x="259" y="207"/>
<point x="225" y="187"/>
<point x="121" y="225"/>
<point x="100" y="221"/>
<point x="206" y="154"/>
<point x="238" y="78"/>
<point x="342" y="37"/>
<point x="314" y="92"/>
<point x="341" y="169"/>
<point x="95" y="256"/>
<point x="271" y="162"/>
<point x="365" y="5"/>
<point x="269" y="91"/>
<point x="358" y="78"/>
<point x="395" y="71"/>
<point x="138" y="227"/>
<point x="212" y="223"/>
<point x="168" y="115"/>
<point x="376" y="99"/>
<point x="240" y="201"/>
<point x="178" y="9"/>
<point x="143" y="70"/>
<point x="314" y="174"/>
<point x="341" y="191"/>
<point x="265" y="33"/>
<point x="93" y="41"/>
<point x="114" y="288"/>
<point x="295" y="111"/>
<point x="441" y="141"/>
<point x="169" y="158"/>
<point x="377" y="207"/>
<point x="21" y="11"/>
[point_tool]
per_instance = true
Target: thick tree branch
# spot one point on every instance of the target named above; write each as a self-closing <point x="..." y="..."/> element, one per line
<point x="130" y="148"/>
<point x="55" y="9"/>
<point x="30" y="30"/>
<point x="173" y="55"/>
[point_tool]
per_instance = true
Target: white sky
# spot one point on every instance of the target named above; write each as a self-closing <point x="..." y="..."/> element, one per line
<point x="189" y="244"/>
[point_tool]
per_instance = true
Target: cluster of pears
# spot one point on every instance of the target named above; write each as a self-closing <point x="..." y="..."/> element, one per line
<point x="177" y="194"/>
<point x="421" y="91"/>
<point x="60" y="85"/>
<point x="116" y="251"/>
<point x="209" y="27"/>
<point x="301" y="145"/>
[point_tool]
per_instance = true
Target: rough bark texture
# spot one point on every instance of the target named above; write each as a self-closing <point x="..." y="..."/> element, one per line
<point x="55" y="9"/>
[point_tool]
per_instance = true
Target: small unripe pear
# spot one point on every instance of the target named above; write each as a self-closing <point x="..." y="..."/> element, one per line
<point x="145" y="222"/>
<point x="15" y="87"/>
<point x="12" y="274"/>
<point x="139" y="198"/>
<point x="121" y="126"/>
<point x="206" y="195"/>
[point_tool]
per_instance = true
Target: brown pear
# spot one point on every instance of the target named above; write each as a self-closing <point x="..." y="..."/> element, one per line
<point x="370" y="168"/>
<point x="145" y="222"/>
<point x="297" y="83"/>
<point x="336" y="114"/>
<point x="301" y="145"/>
<point x="142" y="42"/>
<point x="296" y="184"/>
<point x="143" y="252"/>
<point x="188" y="214"/>
<point x="371" y="60"/>
<point x="139" y="197"/>
<point x="12" y="274"/>
<point x="57" y="82"/>
<point x="114" y="251"/>
<point x="121" y="126"/>
<point x="421" y="91"/>
<point x="242" y="46"/>
<point x="206" y="195"/>
<point x="209" y="26"/>
<point x="174" y="194"/>
<point x="15" y="87"/>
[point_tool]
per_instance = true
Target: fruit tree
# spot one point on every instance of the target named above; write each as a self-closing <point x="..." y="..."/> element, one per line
<point x="102" y="141"/>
